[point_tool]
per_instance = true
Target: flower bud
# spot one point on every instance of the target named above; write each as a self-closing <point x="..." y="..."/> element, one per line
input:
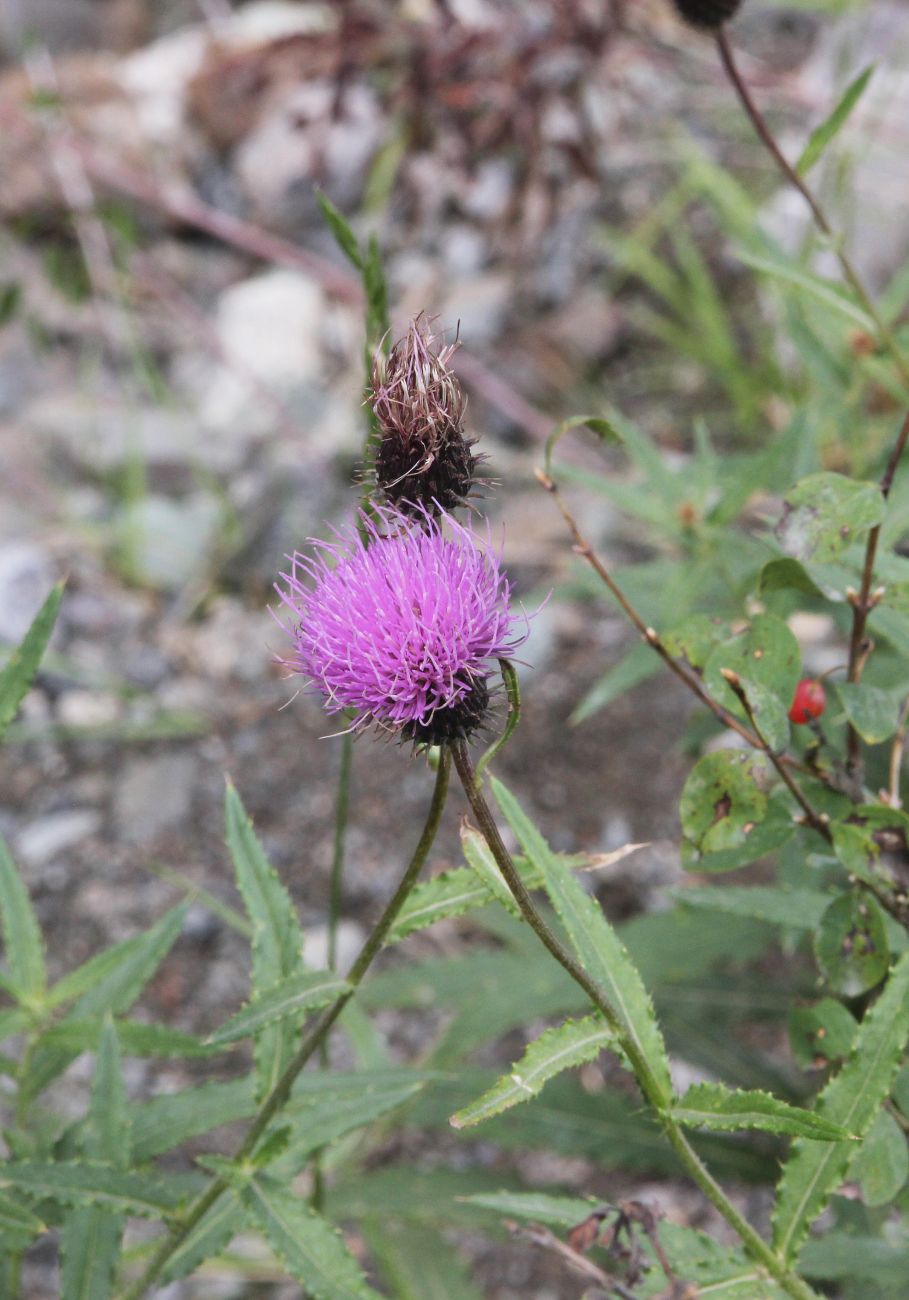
<point x="707" y="13"/>
<point x="422" y="460"/>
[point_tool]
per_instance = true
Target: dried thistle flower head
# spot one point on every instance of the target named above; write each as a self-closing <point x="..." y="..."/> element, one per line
<point x="707" y="13"/>
<point x="422" y="459"/>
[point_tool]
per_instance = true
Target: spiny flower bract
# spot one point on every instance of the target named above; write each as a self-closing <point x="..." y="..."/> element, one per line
<point x="399" y="623"/>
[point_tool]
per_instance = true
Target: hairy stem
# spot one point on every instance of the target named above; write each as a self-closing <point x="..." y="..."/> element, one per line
<point x="312" y="1037"/>
<point x="653" y="1091"/>
<point x="885" y="335"/>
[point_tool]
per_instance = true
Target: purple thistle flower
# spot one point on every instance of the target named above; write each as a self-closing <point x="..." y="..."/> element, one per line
<point x="399" y="624"/>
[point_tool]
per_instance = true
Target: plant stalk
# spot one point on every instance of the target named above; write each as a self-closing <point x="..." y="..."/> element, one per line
<point x="760" y="1251"/>
<point x="312" y="1038"/>
<point x="767" y="138"/>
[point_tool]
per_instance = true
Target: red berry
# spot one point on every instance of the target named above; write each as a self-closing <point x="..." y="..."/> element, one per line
<point x="808" y="702"/>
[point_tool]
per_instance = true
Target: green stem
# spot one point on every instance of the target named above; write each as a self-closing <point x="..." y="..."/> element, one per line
<point x="512" y="690"/>
<point x="650" y="1086"/>
<point x="312" y="1037"/>
<point x="766" y="137"/>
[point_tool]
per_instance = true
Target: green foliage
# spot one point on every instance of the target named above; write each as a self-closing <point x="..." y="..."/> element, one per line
<point x="21" y="668"/>
<point x="853" y="1098"/>
<point x="713" y="1106"/>
<point x="22" y="941"/>
<point x="289" y="997"/>
<point x="595" y="943"/>
<point x="830" y="128"/>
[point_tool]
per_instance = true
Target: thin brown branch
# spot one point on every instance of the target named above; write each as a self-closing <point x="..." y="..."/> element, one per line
<point x="819" y="821"/>
<point x="821" y="220"/>
<point x="685" y="674"/>
<point x="865" y="600"/>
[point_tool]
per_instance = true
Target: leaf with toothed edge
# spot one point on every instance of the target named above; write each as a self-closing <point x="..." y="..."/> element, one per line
<point x="596" y="944"/>
<point x="20" y="670"/>
<point x="561" y="1048"/>
<point x="852" y="1098"/>
<point x="714" y="1106"/>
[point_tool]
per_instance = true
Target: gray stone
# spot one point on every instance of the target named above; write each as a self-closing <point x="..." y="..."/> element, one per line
<point x="154" y="795"/>
<point x="45" y="838"/>
<point x="164" y="543"/>
<point x="26" y="578"/>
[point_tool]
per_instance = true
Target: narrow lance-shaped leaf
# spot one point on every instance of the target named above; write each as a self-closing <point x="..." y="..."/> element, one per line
<point x="851" y="1098"/>
<point x="595" y="942"/>
<point x="19" y="672"/>
<point x="22" y="941"/>
<point x="417" y="1263"/>
<point x="299" y="993"/>
<point x="122" y="974"/>
<point x="92" y="1235"/>
<point x="570" y="1044"/>
<point x="822" y="135"/>
<point x="277" y="937"/>
<point x="713" y="1106"/>
<point x="85" y="1182"/>
<point x="307" y="1245"/>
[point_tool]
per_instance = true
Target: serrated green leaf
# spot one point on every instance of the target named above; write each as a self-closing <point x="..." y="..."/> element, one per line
<point x="92" y="1235"/>
<point x="825" y="513"/>
<point x="307" y="1245"/>
<point x="595" y="942"/>
<point x="851" y="944"/>
<point x="796" y="909"/>
<point x="209" y="1237"/>
<point x="277" y="936"/>
<point x="289" y="997"/>
<point x="22" y="940"/>
<point x="851" y="1098"/>
<point x="881" y="1164"/>
<point x="19" y="672"/>
<point x="822" y="135"/>
<point x="561" y="1048"/>
<point x="417" y="1263"/>
<point x="821" y="1033"/>
<point x="874" y="713"/>
<point x="164" y="1122"/>
<point x="376" y="292"/>
<point x="83" y="1182"/>
<point x="136" y="1037"/>
<point x="537" y="1207"/>
<point x="479" y="857"/>
<point x="340" y="228"/>
<point x="120" y="975"/>
<point x="452" y="893"/>
<point x="318" y="1116"/>
<point x="714" y="1106"/>
<point x="16" y="1218"/>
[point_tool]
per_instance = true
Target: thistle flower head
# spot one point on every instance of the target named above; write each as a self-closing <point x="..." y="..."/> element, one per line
<point x="399" y="623"/>
<point x="710" y="14"/>
<point x="423" y="462"/>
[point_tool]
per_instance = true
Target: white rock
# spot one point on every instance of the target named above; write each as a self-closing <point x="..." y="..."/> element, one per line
<point x="26" y="578"/>
<point x="165" y="543"/>
<point x="156" y="79"/>
<point x="50" y="835"/>
<point x="88" y="709"/>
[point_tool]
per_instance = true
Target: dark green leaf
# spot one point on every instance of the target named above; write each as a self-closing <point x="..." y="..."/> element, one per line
<point x="851" y="944"/>
<point x="568" y="1045"/>
<point x="211" y="1234"/>
<point x="76" y="1182"/>
<point x="839" y="1255"/>
<point x="307" y="1245"/>
<point x="766" y="655"/>
<point x="723" y="801"/>
<point x="277" y="937"/>
<point x="825" y="513"/>
<point x="136" y="1037"/>
<point x="298" y="993"/>
<point x="22" y="940"/>
<point x="417" y="1262"/>
<point x="714" y="1106"/>
<point x="851" y="1098"/>
<point x="17" y="1219"/>
<point x="19" y="672"/>
<point x="167" y="1120"/>
<point x="881" y="1164"/>
<point x="822" y="1033"/>
<point x="695" y="638"/>
<point x="796" y="909"/>
<point x="822" y="135"/>
<point x="595" y="942"/>
<point x="10" y="298"/>
<point x="874" y="713"/>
